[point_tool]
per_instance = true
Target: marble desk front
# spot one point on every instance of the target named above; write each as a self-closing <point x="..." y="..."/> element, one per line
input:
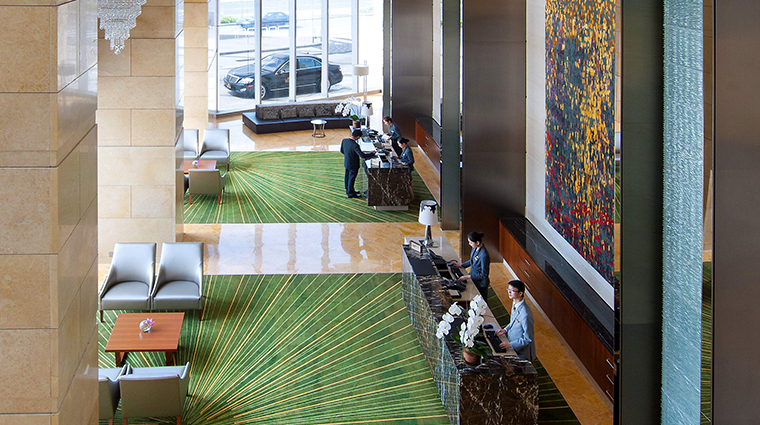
<point x="501" y="390"/>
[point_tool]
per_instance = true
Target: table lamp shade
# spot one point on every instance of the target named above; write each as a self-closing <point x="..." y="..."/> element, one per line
<point x="428" y="213"/>
<point x="367" y="109"/>
<point x="361" y="70"/>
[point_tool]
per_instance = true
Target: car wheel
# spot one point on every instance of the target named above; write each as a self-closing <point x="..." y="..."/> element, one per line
<point x="264" y="91"/>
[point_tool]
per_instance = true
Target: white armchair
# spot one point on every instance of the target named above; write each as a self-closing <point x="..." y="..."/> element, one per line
<point x="179" y="282"/>
<point x="190" y="144"/>
<point x="130" y="279"/>
<point x="216" y="146"/>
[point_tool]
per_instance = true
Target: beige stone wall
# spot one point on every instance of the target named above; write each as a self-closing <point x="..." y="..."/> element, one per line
<point x="140" y="121"/>
<point x="197" y="63"/>
<point x="48" y="243"/>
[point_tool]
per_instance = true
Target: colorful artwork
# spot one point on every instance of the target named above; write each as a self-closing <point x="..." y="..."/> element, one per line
<point x="580" y="108"/>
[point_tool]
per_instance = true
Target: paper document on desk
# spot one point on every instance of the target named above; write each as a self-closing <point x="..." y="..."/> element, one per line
<point x="366" y="147"/>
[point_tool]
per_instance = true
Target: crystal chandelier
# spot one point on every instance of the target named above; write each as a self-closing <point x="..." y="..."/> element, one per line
<point x="117" y="17"/>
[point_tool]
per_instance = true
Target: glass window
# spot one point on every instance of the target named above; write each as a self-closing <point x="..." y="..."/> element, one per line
<point x="234" y="86"/>
<point x="237" y="53"/>
<point x="309" y="43"/>
<point x="275" y="39"/>
<point x="371" y="42"/>
<point x="340" y="49"/>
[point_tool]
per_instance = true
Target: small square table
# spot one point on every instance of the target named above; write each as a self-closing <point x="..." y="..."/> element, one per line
<point x="203" y="164"/>
<point x="126" y="335"/>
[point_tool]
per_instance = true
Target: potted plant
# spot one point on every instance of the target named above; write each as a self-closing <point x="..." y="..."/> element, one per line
<point x="474" y="346"/>
<point x="350" y="108"/>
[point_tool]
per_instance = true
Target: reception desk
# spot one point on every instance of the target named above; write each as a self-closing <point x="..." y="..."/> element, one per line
<point x="501" y="390"/>
<point x="388" y="180"/>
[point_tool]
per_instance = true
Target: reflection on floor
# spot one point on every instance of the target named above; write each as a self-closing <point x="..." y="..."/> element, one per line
<point x="361" y="248"/>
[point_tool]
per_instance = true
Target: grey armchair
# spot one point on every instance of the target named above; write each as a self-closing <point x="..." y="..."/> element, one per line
<point x="216" y="146"/>
<point x="154" y="391"/>
<point x="179" y="282"/>
<point x="206" y="182"/>
<point x="108" y="391"/>
<point x="130" y="278"/>
<point x="190" y="144"/>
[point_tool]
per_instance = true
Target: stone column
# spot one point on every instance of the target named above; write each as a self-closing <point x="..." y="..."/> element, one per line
<point x="140" y="121"/>
<point x="48" y="213"/>
<point x="197" y="31"/>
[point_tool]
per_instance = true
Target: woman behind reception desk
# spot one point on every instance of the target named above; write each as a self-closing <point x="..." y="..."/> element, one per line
<point x="479" y="263"/>
<point x="519" y="331"/>
<point x="407" y="158"/>
<point x="394" y="135"/>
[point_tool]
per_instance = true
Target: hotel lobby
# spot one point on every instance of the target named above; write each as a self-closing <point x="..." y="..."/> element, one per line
<point x="303" y="319"/>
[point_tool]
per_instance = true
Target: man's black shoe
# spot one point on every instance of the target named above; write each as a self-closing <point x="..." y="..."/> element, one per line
<point x="354" y="195"/>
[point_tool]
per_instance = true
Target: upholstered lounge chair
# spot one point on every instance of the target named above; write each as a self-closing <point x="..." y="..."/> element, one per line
<point x="206" y="182"/>
<point x="190" y="144"/>
<point x="130" y="278"/>
<point x="179" y="282"/>
<point x="154" y="391"/>
<point x="216" y="146"/>
<point x="108" y="391"/>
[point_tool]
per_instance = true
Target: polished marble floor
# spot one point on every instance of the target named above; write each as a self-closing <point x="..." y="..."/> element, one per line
<point x="361" y="248"/>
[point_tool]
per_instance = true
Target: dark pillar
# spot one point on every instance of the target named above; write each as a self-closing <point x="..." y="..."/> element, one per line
<point x="638" y="339"/>
<point x="450" y="132"/>
<point x="493" y="150"/>
<point x="412" y="65"/>
<point x="736" y="317"/>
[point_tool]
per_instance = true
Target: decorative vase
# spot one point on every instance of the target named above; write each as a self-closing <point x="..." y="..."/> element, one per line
<point x="145" y="326"/>
<point x="470" y="358"/>
<point x="357" y="124"/>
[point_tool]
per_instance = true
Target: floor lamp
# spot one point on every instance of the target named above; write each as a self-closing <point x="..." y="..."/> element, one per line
<point x="362" y="71"/>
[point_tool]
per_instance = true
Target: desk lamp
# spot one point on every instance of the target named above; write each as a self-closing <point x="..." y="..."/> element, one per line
<point x="428" y="217"/>
<point x="367" y="112"/>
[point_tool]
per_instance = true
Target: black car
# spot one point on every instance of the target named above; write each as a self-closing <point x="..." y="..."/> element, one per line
<point x="271" y="19"/>
<point x="275" y="76"/>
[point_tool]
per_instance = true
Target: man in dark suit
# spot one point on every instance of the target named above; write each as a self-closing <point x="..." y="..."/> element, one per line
<point x="352" y="156"/>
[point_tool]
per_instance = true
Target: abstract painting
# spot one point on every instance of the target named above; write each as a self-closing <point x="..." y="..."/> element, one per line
<point x="580" y="108"/>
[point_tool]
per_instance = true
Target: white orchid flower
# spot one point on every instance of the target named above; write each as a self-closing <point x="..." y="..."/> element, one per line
<point x="439" y="333"/>
<point x="479" y="320"/>
<point x="469" y="342"/>
<point x="477" y="298"/>
<point x="444" y="326"/>
<point x="455" y="309"/>
<point x="448" y="317"/>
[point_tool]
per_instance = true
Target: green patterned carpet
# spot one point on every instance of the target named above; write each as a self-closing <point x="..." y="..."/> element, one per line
<point x="292" y="187"/>
<point x="275" y="349"/>
<point x="706" y="343"/>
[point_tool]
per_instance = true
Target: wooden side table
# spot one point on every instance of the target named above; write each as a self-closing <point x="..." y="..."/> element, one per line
<point x="126" y="335"/>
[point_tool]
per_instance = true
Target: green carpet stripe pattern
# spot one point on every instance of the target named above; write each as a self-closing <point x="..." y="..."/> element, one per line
<point x="306" y="349"/>
<point x="706" y="343"/>
<point x="292" y="187"/>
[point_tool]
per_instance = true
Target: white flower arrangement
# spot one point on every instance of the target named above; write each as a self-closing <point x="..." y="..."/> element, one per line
<point x="469" y="329"/>
<point x="348" y="106"/>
